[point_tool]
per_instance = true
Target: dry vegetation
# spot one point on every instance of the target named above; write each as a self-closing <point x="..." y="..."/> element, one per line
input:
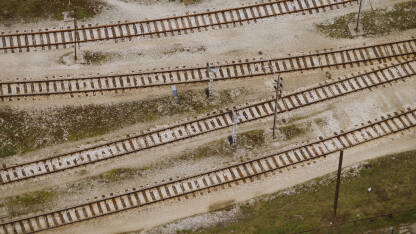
<point x="309" y="205"/>
<point x="191" y="1"/>
<point x="42" y="200"/>
<point x="29" y="202"/>
<point x="97" y="57"/>
<point x="22" y="131"/>
<point x="247" y="140"/>
<point x="378" y="22"/>
<point x="292" y="131"/>
<point x="299" y="208"/>
<point x="29" y="10"/>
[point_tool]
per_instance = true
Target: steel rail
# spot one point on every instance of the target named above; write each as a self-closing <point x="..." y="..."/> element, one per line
<point x="231" y="175"/>
<point x="208" y="123"/>
<point x="229" y="70"/>
<point x="53" y="38"/>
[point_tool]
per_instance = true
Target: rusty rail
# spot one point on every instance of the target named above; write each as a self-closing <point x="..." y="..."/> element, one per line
<point x="344" y="58"/>
<point x="169" y="26"/>
<point x="242" y="172"/>
<point x="208" y="123"/>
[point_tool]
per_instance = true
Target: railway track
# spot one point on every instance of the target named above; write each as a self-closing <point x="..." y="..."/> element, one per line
<point x="208" y="123"/>
<point x="234" y="174"/>
<point x="229" y="70"/>
<point x="170" y="26"/>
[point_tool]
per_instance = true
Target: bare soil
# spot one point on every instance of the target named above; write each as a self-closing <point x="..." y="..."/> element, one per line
<point x="275" y="37"/>
<point x="297" y="33"/>
<point x="326" y="117"/>
<point x="173" y="210"/>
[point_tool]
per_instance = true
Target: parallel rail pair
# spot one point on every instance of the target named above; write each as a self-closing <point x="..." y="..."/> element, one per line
<point x="232" y="175"/>
<point x="366" y="55"/>
<point x="170" y="26"/>
<point x="209" y="123"/>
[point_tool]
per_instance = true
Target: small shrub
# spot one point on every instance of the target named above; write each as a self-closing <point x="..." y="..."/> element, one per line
<point x="291" y="131"/>
<point x="96" y="58"/>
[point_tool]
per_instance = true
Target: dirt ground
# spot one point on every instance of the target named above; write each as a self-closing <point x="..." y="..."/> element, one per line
<point x="146" y="218"/>
<point x="293" y="35"/>
<point x="338" y="114"/>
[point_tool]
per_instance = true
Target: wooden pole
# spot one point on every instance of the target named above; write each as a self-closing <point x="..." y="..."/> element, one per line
<point x="341" y="154"/>
<point x="277" y="88"/>
<point x="76" y="34"/>
<point x="359" y="13"/>
<point x="275" y="114"/>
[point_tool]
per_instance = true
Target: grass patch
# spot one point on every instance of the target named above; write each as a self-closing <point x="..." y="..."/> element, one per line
<point x="29" y="10"/>
<point x="178" y="48"/>
<point x="189" y="2"/>
<point x="96" y="58"/>
<point x="320" y="121"/>
<point x="253" y="138"/>
<point x="338" y="28"/>
<point x="292" y="131"/>
<point x="40" y="200"/>
<point x="22" y="131"/>
<point x="28" y="202"/>
<point x="36" y="201"/>
<point x="132" y="232"/>
<point x="379" y="22"/>
<point x="309" y="205"/>
<point x="119" y="174"/>
<point x="247" y="140"/>
<point x="401" y="17"/>
<point x="30" y="199"/>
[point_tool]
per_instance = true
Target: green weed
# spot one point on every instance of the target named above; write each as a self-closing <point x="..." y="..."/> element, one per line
<point x="30" y="10"/>
<point x="22" y="131"/>
<point x="292" y="131"/>
<point x="248" y="140"/>
<point x="307" y="206"/>
<point x="378" y="22"/>
<point x="119" y="174"/>
<point x="28" y="202"/>
<point x="96" y="58"/>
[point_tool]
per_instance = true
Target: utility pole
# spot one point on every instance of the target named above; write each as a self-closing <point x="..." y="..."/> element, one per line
<point x="278" y="89"/>
<point x="235" y="122"/>
<point x="341" y="154"/>
<point x="211" y="72"/>
<point x="358" y="18"/>
<point x="76" y="33"/>
<point x="74" y="11"/>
